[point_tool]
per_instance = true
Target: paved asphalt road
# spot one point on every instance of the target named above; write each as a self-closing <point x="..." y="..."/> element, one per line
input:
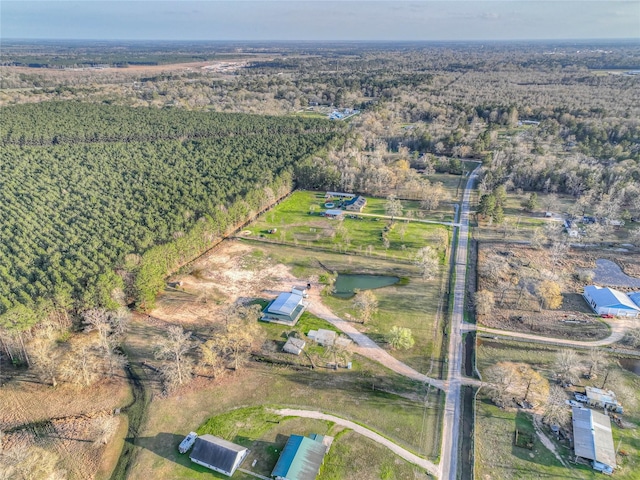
<point x="451" y="428"/>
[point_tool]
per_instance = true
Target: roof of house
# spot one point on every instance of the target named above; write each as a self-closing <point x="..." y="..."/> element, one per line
<point x="285" y="304"/>
<point x="301" y="459"/>
<point x="322" y="336"/>
<point x="340" y="194"/>
<point x="604" y="396"/>
<point x="592" y="436"/>
<point x="294" y="345"/>
<point x="359" y="200"/>
<point x="635" y="297"/>
<point x="217" y="452"/>
<point x="334" y="212"/>
<point x="608" y="297"/>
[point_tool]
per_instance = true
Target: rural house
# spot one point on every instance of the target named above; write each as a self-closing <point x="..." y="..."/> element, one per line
<point x="285" y="309"/>
<point x="593" y="440"/>
<point x="603" y="399"/>
<point x="610" y="301"/>
<point x="301" y="457"/>
<point x="218" y="454"/>
<point x="356" y="204"/>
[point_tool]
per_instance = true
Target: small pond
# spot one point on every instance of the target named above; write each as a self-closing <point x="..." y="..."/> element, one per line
<point x="631" y="364"/>
<point x="347" y="283"/>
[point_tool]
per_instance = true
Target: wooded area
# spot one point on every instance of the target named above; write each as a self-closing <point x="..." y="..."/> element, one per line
<point x="93" y="187"/>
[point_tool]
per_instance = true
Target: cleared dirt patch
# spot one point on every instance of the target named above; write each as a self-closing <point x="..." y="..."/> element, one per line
<point x="514" y="272"/>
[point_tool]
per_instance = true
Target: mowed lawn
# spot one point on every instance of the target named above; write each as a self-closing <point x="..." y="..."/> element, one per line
<point x="414" y="303"/>
<point x="497" y="457"/>
<point x="348" y="394"/>
<point x="298" y="221"/>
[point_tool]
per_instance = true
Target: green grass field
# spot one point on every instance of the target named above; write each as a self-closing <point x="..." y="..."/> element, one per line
<point x="414" y="305"/>
<point x="363" y="235"/>
<point x="348" y="394"/>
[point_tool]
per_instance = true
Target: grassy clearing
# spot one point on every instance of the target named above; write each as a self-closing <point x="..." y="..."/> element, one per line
<point x="497" y="458"/>
<point x="348" y="394"/>
<point x="361" y="235"/>
<point x="412" y="304"/>
<point x="353" y="457"/>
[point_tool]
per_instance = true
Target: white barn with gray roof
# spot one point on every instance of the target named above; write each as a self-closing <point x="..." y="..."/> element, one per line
<point x="605" y="300"/>
<point x="593" y="439"/>
<point x="218" y="454"/>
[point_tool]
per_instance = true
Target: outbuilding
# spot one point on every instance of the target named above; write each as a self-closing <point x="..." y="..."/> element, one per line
<point x="333" y="213"/>
<point x="597" y="397"/>
<point x="218" y="454"/>
<point x="301" y="458"/>
<point x="605" y="300"/>
<point x="285" y="309"/>
<point x="294" y="345"/>
<point x="593" y="439"/>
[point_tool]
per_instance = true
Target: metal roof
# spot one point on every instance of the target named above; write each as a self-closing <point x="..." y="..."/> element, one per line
<point x="635" y="297"/>
<point x="604" y="396"/>
<point x="285" y="304"/>
<point x="592" y="436"/>
<point x="334" y="212"/>
<point x="217" y="452"/>
<point x="301" y="459"/>
<point x="608" y="297"/>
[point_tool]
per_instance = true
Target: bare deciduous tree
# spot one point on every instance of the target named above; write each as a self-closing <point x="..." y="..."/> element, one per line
<point x="366" y="305"/>
<point x="174" y="348"/>
<point x="567" y="365"/>
<point x="393" y="207"/>
<point x="555" y="409"/>
<point x="426" y="259"/>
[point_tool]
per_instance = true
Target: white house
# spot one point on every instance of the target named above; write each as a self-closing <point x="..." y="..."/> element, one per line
<point x="218" y="454"/>
<point x="610" y="301"/>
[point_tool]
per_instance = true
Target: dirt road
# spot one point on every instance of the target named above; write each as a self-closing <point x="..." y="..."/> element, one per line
<point x="618" y="328"/>
<point x="398" y="450"/>
<point x="365" y="346"/>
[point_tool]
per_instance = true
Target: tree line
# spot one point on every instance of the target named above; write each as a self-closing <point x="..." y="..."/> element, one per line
<point x="72" y="213"/>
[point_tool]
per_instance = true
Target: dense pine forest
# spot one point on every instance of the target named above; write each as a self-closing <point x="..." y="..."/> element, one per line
<point x="87" y="188"/>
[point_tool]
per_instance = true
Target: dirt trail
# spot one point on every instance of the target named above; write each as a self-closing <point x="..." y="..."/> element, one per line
<point x="618" y="326"/>
<point x="545" y="440"/>
<point x="398" y="450"/>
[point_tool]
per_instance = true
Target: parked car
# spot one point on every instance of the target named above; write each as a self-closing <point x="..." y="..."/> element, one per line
<point x="581" y="398"/>
<point x="607" y="315"/>
<point x="573" y="403"/>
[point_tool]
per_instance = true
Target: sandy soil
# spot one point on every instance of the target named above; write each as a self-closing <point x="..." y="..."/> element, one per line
<point x="231" y="273"/>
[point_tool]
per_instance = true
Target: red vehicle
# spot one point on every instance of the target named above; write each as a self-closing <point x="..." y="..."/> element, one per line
<point x="607" y="315"/>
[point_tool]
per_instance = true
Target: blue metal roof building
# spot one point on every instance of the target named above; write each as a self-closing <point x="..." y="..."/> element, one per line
<point x="285" y="309"/>
<point x="610" y="301"/>
<point x="301" y="458"/>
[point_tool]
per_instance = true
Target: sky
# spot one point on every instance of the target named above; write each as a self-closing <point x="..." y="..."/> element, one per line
<point x="320" y="20"/>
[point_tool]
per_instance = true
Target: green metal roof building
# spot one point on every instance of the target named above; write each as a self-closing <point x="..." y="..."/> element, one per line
<point x="301" y="458"/>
